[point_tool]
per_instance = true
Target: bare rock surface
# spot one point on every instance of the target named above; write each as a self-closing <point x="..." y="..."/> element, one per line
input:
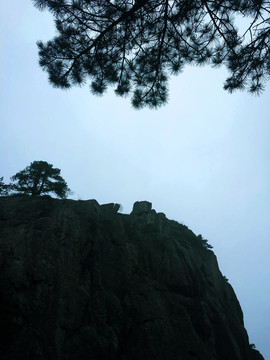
<point x="81" y="281"/>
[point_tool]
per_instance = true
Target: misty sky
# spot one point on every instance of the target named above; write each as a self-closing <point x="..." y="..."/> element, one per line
<point x="203" y="159"/>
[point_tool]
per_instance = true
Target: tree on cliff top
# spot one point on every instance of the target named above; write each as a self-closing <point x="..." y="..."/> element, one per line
<point x="40" y="178"/>
<point x="136" y="44"/>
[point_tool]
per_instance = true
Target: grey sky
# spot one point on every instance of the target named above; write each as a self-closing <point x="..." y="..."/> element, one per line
<point x="203" y="159"/>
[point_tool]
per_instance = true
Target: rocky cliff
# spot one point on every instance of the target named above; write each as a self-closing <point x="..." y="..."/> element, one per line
<point x="81" y="281"/>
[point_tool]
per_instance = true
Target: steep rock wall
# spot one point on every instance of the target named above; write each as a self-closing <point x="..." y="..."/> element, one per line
<point x="80" y="281"/>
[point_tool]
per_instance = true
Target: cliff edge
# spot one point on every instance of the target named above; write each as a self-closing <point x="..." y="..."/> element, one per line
<point x="81" y="281"/>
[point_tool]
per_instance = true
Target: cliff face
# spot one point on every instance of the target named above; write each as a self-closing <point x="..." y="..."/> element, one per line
<point x="80" y="281"/>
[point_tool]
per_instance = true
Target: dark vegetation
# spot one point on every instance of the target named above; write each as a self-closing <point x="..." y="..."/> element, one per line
<point x="39" y="178"/>
<point x="4" y="188"/>
<point x="204" y="242"/>
<point x="136" y="45"/>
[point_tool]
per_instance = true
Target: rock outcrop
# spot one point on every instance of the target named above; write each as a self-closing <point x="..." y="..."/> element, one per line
<point x="81" y="281"/>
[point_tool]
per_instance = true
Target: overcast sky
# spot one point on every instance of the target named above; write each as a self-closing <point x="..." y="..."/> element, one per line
<point x="202" y="159"/>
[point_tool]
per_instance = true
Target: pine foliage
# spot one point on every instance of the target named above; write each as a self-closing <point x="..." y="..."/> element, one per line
<point x="135" y="45"/>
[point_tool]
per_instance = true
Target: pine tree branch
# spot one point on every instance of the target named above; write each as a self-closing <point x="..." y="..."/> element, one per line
<point x="138" y="5"/>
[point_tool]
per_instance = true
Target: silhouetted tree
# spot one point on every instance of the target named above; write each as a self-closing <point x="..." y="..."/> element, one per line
<point x="204" y="242"/>
<point x="136" y="44"/>
<point x="4" y="188"/>
<point x="40" y="178"/>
